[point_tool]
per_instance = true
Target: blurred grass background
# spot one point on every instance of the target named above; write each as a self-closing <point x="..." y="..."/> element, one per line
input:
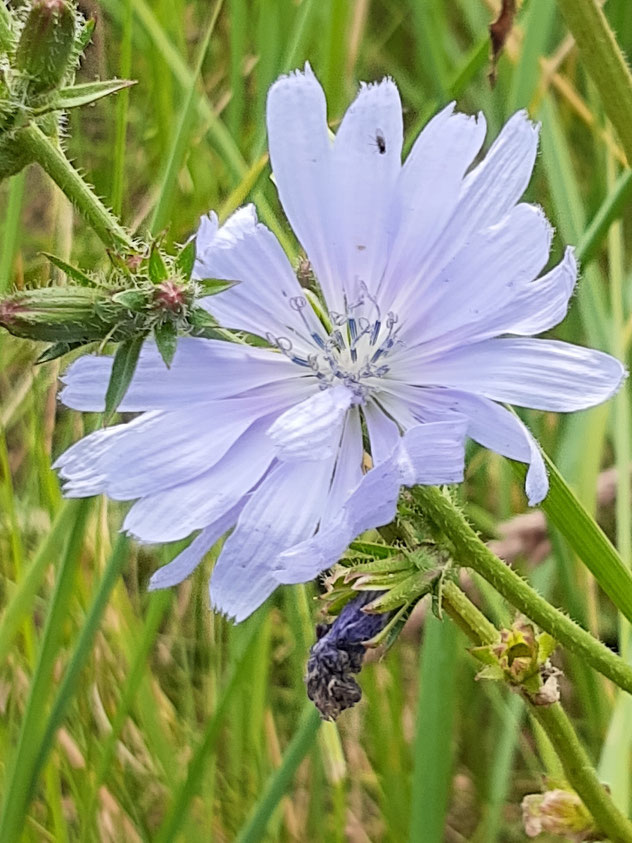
<point x="142" y="717"/>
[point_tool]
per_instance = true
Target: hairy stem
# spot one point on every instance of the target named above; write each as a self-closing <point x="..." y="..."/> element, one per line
<point x="471" y="552"/>
<point x="579" y="771"/>
<point x="605" y="63"/>
<point x="51" y="158"/>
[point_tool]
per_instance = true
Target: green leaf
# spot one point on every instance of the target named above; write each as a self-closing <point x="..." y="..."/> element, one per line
<point x="255" y="828"/>
<point x="78" y="95"/>
<point x="131" y="299"/>
<point x="166" y="337"/>
<point x="157" y="268"/>
<point x="71" y="271"/>
<point x="67" y="688"/>
<point x="57" y="349"/>
<point x="21" y="766"/>
<point x="435" y="731"/>
<point x="186" y="259"/>
<point x="123" y="368"/>
<point x="585" y="537"/>
<point x="213" y="286"/>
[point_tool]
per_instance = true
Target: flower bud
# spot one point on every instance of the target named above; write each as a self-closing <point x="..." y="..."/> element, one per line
<point x="45" y="48"/>
<point x="65" y="314"/>
<point x="559" y="812"/>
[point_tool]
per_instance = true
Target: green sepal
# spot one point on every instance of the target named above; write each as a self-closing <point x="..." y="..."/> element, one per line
<point x="518" y="651"/>
<point x="213" y="286"/>
<point x="131" y="299"/>
<point x="166" y="337"/>
<point x="410" y="588"/>
<point x="123" y="368"/>
<point x="484" y="655"/>
<point x="546" y="646"/>
<point x="71" y="271"/>
<point x="200" y="318"/>
<point x="389" y="565"/>
<point x="391" y="632"/>
<point x="85" y="35"/>
<point x="84" y="94"/>
<point x="379" y="551"/>
<point x="186" y="259"/>
<point x="436" y="594"/>
<point x="493" y="672"/>
<point x="57" y="349"/>
<point x="156" y="267"/>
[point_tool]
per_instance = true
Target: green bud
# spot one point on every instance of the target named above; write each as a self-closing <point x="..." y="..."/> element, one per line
<point x="45" y="48"/>
<point x="69" y="314"/>
<point x="560" y="812"/>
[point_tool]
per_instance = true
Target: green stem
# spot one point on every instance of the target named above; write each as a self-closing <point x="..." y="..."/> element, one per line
<point x="578" y="769"/>
<point x="472" y="553"/>
<point x="51" y="158"/>
<point x="604" y="62"/>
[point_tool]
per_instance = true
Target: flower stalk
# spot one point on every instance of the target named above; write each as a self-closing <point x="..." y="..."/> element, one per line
<point x="52" y="160"/>
<point x="579" y="771"/>
<point x="472" y="553"/>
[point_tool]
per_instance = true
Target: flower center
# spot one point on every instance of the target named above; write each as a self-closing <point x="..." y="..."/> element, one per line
<point x="354" y="351"/>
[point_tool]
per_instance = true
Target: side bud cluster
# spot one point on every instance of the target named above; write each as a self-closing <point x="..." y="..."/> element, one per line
<point x="521" y="658"/>
<point x="144" y="295"/>
<point x="39" y="54"/>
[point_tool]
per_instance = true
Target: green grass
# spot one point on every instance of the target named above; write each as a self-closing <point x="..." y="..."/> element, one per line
<point x="133" y="716"/>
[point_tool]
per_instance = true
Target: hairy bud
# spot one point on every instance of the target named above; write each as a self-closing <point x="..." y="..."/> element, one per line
<point x="65" y="314"/>
<point x="45" y="48"/>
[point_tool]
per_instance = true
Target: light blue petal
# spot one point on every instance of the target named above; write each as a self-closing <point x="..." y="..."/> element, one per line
<point x="427" y="192"/>
<point x="284" y="510"/>
<point x="490" y="425"/>
<point x="202" y="370"/>
<point x="428" y="454"/>
<point x="311" y="430"/>
<point x="488" y="192"/>
<point x="484" y="290"/>
<point x="383" y="432"/>
<point x="176" y="512"/>
<point x="163" y="449"/>
<point x="300" y="154"/>
<point x="366" y="163"/>
<point x="186" y="562"/>
<point x="268" y="299"/>
<point x="543" y="374"/>
<point x="348" y="470"/>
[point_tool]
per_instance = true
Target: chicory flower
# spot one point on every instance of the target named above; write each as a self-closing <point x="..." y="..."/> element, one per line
<point x="426" y="272"/>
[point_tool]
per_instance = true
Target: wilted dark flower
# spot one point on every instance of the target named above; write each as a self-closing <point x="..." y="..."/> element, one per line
<point x="339" y="653"/>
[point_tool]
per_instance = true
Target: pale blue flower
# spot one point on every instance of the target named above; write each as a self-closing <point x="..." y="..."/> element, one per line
<point x="427" y="273"/>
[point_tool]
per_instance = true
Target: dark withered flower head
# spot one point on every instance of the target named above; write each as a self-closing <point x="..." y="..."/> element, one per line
<point x="338" y="654"/>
